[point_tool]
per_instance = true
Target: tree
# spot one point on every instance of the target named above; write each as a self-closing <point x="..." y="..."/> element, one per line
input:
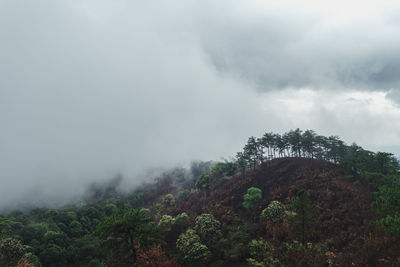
<point x="184" y="194"/>
<point x="169" y="200"/>
<point x="267" y="141"/>
<point x="280" y="144"/>
<point x="165" y="223"/>
<point x="252" y="197"/>
<point x="208" y="229"/>
<point x="154" y="257"/>
<point x="294" y="138"/>
<point x="54" y="255"/>
<point x="11" y="251"/>
<point x="320" y="147"/>
<point x="241" y="161"/>
<point x="303" y="215"/>
<point x="203" y="182"/>
<point x="4" y="223"/>
<point x="181" y="222"/>
<point x="75" y="228"/>
<point x="392" y="224"/>
<point x="123" y="230"/>
<point x="336" y="149"/>
<point x="223" y="169"/>
<point x="273" y="212"/>
<point x="29" y="260"/>
<point x="387" y="204"/>
<point x="192" y="251"/>
<point x="286" y="144"/>
<point x="262" y="254"/>
<point x="252" y="151"/>
<point x="308" y="143"/>
<point x="386" y="163"/>
<point x="53" y="237"/>
<point x="206" y="226"/>
<point x="353" y="159"/>
<point x="197" y="168"/>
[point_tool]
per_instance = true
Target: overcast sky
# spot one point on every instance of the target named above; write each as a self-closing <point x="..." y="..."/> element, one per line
<point x="89" y="89"/>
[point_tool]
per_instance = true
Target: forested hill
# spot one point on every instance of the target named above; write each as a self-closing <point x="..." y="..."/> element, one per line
<point x="297" y="199"/>
<point x="343" y="207"/>
<point x="281" y="179"/>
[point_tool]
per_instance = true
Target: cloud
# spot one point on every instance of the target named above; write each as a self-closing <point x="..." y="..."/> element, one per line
<point x="279" y="48"/>
<point x="96" y="88"/>
<point x="90" y="90"/>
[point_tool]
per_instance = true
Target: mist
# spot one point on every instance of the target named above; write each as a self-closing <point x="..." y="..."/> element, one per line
<point x="94" y="89"/>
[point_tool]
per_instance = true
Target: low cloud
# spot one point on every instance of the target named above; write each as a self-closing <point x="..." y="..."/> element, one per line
<point x="93" y="89"/>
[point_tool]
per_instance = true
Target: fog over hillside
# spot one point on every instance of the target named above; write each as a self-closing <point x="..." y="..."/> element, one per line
<point x="92" y="89"/>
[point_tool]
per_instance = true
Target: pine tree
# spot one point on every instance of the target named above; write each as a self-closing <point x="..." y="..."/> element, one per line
<point x="303" y="216"/>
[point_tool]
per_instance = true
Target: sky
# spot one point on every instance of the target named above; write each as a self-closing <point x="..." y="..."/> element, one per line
<point x="91" y="89"/>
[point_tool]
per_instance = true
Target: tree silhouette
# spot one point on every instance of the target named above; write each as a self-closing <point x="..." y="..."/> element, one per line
<point x="308" y="143"/>
<point x="252" y="151"/>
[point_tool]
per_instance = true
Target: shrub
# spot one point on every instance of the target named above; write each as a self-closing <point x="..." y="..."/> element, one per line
<point x="273" y="212"/>
<point x="262" y="254"/>
<point x="392" y="224"/>
<point x="252" y="197"/>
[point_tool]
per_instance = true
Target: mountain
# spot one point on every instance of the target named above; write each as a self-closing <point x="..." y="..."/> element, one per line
<point x="344" y="207"/>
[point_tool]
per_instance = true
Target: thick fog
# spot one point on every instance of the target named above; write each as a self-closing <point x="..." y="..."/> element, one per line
<point x="92" y="89"/>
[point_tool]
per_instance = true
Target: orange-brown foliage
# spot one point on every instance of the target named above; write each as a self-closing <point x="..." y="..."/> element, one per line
<point x="154" y="257"/>
<point x="25" y="263"/>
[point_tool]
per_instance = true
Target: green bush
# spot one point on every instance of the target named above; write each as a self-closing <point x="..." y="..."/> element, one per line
<point x="273" y="212"/>
<point x="262" y="254"/>
<point x="392" y="224"/>
<point x="252" y="197"/>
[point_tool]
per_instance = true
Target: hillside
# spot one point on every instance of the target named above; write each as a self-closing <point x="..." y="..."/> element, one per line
<point x="280" y="179"/>
<point x="343" y="207"/>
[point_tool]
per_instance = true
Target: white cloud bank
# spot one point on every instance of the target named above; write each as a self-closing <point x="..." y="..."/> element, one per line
<point x="95" y="88"/>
